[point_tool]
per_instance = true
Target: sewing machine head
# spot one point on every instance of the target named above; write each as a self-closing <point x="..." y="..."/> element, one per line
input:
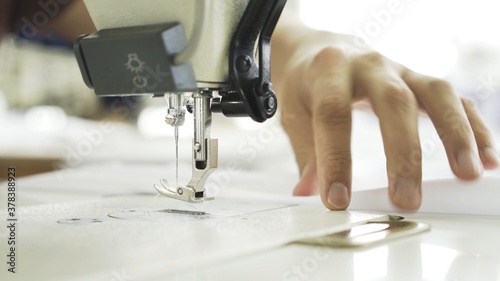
<point x="217" y="70"/>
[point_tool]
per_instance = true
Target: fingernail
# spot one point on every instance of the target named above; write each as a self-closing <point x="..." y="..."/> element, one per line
<point x="469" y="163"/>
<point x="338" y="195"/>
<point x="491" y="155"/>
<point x="407" y="194"/>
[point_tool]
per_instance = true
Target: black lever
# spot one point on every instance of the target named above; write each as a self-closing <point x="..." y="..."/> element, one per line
<point x="252" y="93"/>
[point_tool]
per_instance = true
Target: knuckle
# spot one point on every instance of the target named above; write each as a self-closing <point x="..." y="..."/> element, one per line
<point x="439" y="85"/>
<point x="329" y="56"/>
<point x="373" y="58"/>
<point x="333" y="107"/>
<point x="338" y="162"/>
<point x="461" y="135"/>
<point x="455" y="122"/>
<point x="399" y="97"/>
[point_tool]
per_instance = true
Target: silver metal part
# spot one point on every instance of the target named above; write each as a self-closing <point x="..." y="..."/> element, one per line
<point x="202" y="123"/>
<point x="205" y="155"/>
<point x="176" y="113"/>
<point x="80" y="221"/>
<point x="369" y="233"/>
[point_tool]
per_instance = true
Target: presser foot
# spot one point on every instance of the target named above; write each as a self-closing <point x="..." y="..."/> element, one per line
<point x="205" y="152"/>
<point x="184" y="193"/>
<point x="194" y="191"/>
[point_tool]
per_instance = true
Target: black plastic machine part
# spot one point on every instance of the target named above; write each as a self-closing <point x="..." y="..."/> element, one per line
<point x="134" y="61"/>
<point x="253" y="94"/>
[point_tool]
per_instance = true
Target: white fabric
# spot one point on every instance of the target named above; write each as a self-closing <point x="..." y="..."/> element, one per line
<point x="446" y="196"/>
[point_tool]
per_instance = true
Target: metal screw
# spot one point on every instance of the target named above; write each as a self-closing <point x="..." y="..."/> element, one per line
<point x="170" y="119"/>
<point x="190" y="105"/>
<point x="197" y="147"/>
<point x="180" y="191"/>
<point x="271" y="103"/>
<point x="243" y="63"/>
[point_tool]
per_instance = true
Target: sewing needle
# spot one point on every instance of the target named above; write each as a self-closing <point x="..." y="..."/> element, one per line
<point x="176" y="133"/>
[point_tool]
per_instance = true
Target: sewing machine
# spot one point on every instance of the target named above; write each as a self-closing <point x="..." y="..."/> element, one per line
<point x="224" y="67"/>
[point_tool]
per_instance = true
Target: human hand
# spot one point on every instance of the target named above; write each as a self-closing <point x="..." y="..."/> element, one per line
<point x="321" y="77"/>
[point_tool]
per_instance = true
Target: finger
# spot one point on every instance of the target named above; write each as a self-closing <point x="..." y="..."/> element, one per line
<point x="485" y="144"/>
<point x="331" y="103"/>
<point x="308" y="183"/>
<point x="447" y="113"/>
<point x="397" y="109"/>
<point x="297" y="123"/>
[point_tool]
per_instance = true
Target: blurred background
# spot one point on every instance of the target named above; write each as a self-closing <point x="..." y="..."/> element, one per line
<point x="455" y="40"/>
<point x="48" y="116"/>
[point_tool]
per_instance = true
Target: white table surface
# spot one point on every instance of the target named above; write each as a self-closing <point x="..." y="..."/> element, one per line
<point x="458" y="247"/>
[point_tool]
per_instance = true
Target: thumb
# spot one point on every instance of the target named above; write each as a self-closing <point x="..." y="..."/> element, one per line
<point x="308" y="184"/>
<point x="297" y="123"/>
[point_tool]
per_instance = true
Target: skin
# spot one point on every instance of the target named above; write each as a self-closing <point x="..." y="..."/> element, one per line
<point x="65" y="25"/>
<point x="320" y="76"/>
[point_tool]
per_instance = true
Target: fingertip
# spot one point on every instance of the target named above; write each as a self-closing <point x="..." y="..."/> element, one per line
<point x="490" y="158"/>
<point x="406" y="194"/>
<point x="468" y="165"/>
<point x="338" y="197"/>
